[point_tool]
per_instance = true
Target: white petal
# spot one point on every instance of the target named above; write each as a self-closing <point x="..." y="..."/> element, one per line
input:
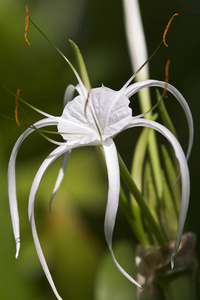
<point x="105" y="109"/>
<point x="134" y="88"/>
<point x="69" y="94"/>
<point x="113" y="198"/>
<point x="184" y="172"/>
<point x="12" y="179"/>
<point x="111" y="107"/>
<point x="35" y="185"/>
<point x="47" y="162"/>
<point x="76" y="124"/>
<point x="60" y="176"/>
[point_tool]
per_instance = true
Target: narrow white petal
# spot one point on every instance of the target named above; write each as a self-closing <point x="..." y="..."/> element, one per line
<point x="113" y="199"/>
<point x="12" y="179"/>
<point x="60" y="176"/>
<point x="134" y="88"/>
<point x="35" y="185"/>
<point x="184" y="172"/>
<point x="47" y="162"/>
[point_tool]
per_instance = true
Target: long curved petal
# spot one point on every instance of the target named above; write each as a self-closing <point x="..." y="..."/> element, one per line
<point x="113" y="198"/>
<point x="134" y="88"/>
<point x="60" y="176"/>
<point x="68" y="96"/>
<point x="35" y="185"/>
<point x="184" y="172"/>
<point x="12" y="179"/>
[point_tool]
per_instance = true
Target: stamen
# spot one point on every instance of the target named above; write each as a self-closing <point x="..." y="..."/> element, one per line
<point x="167" y="28"/>
<point x="166" y="77"/>
<point x="16" y="107"/>
<point x="86" y="104"/>
<point x="26" y="25"/>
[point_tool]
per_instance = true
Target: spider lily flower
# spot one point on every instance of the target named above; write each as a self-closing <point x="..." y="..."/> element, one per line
<point x="94" y="118"/>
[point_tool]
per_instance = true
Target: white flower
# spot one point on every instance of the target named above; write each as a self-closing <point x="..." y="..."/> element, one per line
<point x="94" y="117"/>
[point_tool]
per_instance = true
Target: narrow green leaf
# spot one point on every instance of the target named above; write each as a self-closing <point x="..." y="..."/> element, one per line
<point x="138" y="167"/>
<point x="168" y="212"/>
<point x="155" y="228"/>
<point x="172" y="178"/>
<point x="150" y="196"/>
<point x="137" y="170"/>
<point x="149" y="191"/>
<point x="81" y="64"/>
<point x="166" y="120"/>
<point x="155" y="163"/>
<point x="138" y="230"/>
<point x="139" y="157"/>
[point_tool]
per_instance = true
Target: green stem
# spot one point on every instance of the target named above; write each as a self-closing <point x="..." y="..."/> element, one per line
<point x="154" y="226"/>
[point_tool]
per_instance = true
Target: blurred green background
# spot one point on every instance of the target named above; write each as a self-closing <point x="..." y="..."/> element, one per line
<point x="72" y="235"/>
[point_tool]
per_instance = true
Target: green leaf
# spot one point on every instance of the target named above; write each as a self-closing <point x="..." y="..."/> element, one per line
<point x="154" y="227"/>
<point x="137" y="171"/>
<point x="149" y="190"/>
<point x="166" y="120"/>
<point x="81" y="64"/>
<point x="138" y="230"/>
<point x="172" y="178"/>
<point x="168" y="214"/>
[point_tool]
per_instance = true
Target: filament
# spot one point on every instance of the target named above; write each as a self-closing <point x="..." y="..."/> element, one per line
<point x="86" y="104"/>
<point x="16" y="107"/>
<point x="166" y="77"/>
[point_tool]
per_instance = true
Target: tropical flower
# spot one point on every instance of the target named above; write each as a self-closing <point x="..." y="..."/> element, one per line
<point x="94" y="118"/>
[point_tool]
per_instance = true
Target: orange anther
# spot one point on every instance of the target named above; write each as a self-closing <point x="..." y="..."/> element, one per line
<point x="167" y="28"/>
<point x="166" y="77"/>
<point x="16" y="107"/>
<point x="26" y="25"/>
